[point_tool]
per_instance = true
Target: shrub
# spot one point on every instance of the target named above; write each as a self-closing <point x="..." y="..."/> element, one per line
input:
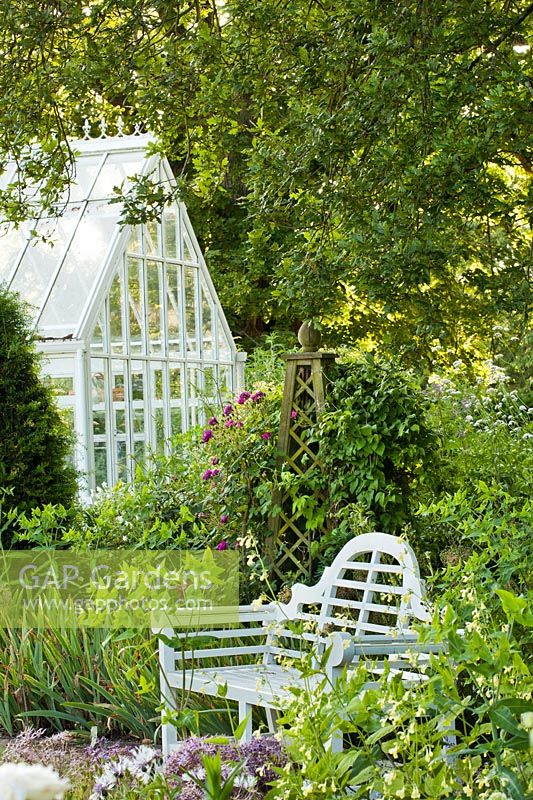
<point x="34" y="445"/>
<point x="485" y="429"/>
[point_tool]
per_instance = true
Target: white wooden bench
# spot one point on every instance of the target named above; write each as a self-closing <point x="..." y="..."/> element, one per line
<point x="361" y="607"/>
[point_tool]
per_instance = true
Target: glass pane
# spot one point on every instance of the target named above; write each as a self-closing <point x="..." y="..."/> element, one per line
<point x="100" y="463"/>
<point x="210" y="388"/>
<point x="99" y="423"/>
<point x="86" y="170"/>
<point x="154" y="280"/>
<point x="175" y="382"/>
<point x="118" y="390"/>
<point x="137" y="396"/>
<point x="157" y="394"/>
<point x="42" y="258"/>
<point x="139" y="454"/>
<point x="173" y="309"/>
<point x="207" y="323"/>
<point x="174" y="374"/>
<point x="226" y="383"/>
<point x="169" y="232"/>
<point x="122" y="471"/>
<point x="117" y="169"/>
<point x="189" y="253"/>
<point x="97" y="339"/>
<point x="159" y="430"/>
<point x="134" y="244"/>
<point x="75" y="282"/>
<point x="116" y="332"/>
<point x="60" y="386"/>
<point x="157" y="381"/>
<point x="97" y="381"/>
<point x="190" y="309"/>
<point x="135" y="303"/>
<point x="224" y="348"/>
<point x="152" y="245"/>
<point x="193" y="380"/>
<point x="11" y="243"/>
<point x="138" y="420"/>
<point x="175" y="419"/>
<point x="120" y="420"/>
<point x="137" y="381"/>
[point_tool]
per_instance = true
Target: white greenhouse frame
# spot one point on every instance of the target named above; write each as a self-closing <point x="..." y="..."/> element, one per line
<point x="134" y="340"/>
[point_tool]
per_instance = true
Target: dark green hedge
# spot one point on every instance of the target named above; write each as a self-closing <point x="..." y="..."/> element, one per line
<point x="34" y="441"/>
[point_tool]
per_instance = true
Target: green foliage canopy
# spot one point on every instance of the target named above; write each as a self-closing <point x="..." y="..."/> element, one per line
<point x="365" y="163"/>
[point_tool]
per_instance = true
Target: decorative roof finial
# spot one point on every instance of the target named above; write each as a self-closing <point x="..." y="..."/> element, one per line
<point x="86" y="129"/>
<point x="103" y="128"/>
<point x="309" y="337"/>
<point x="120" y="126"/>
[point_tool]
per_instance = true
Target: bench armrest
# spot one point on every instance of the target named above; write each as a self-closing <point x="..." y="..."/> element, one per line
<point x="345" y="648"/>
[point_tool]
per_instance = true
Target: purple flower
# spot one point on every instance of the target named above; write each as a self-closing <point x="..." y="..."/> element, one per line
<point x="223" y="545"/>
<point x="206" y="435"/>
<point x="224" y="518"/>
<point x="294" y="414"/>
<point x="266" y="436"/>
<point x="212" y="421"/>
<point x="215" y="472"/>
<point x="239" y="424"/>
<point x="228" y="410"/>
<point x="214" y="460"/>
<point x="243" y="397"/>
<point x="230" y="423"/>
<point x="207" y="474"/>
<point x="261" y="756"/>
<point x="257" y="396"/>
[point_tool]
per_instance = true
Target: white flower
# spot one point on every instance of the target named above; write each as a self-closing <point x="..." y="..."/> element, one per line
<point x="526" y="720"/>
<point x="245" y="781"/>
<point x="143" y="755"/>
<point x="197" y="774"/>
<point x="31" y="782"/>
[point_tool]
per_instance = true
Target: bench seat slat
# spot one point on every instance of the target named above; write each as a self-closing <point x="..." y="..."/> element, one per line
<point x="268" y="683"/>
<point x="217" y="652"/>
<point x="221" y="633"/>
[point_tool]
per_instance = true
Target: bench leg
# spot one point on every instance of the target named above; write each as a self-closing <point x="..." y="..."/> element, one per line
<point x="245" y="710"/>
<point x="272" y="715"/>
<point x="336" y="743"/>
<point x="169" y="734"/>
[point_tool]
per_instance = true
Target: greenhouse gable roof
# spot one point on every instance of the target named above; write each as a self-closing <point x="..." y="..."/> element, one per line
<point x="57" y="264"/>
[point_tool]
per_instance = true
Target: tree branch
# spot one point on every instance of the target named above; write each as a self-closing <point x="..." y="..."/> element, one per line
<point x="505" y="35"/>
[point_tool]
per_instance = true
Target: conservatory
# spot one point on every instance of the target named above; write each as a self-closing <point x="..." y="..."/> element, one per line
<point x="134" y="340"/>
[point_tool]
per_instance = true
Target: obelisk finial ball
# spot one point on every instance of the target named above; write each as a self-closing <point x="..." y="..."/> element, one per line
<point x="309" y="337"/>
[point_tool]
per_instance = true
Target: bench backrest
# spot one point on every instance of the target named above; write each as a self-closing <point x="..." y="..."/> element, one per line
<point x="373" y="586"/>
